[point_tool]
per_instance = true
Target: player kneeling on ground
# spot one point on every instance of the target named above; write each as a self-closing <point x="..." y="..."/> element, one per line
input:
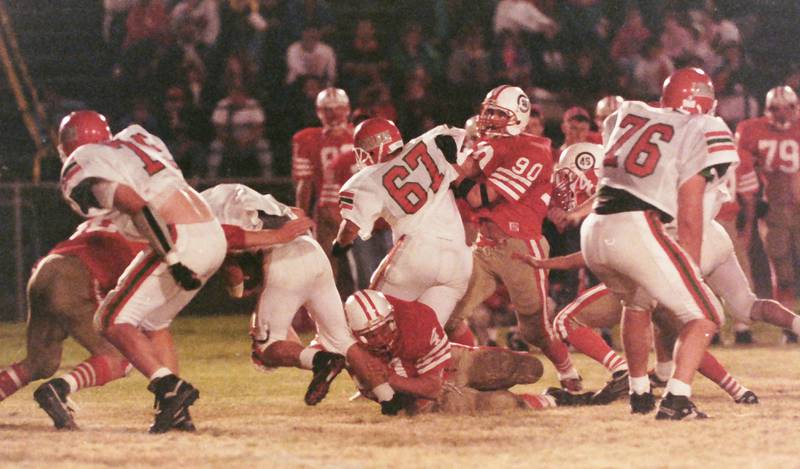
<point x="424" y="373"/>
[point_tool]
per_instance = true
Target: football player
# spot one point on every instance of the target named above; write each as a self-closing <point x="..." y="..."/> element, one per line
<point x="409" y="187"/>
<point x="296" y="274"/>
<point x="132" y="178"/>
<point x="506" y="179"/>
<point x="772" y="142"/>
<point x="604" y="108"/>
<point x="64" y="291"/>
<point x="657" y="165"/>
<point x="424" y="373"/>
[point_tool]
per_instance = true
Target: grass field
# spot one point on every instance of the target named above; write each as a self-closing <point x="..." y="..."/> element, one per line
<point x="246" y="418"/>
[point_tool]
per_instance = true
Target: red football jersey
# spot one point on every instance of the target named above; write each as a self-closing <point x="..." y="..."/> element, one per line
<point x="103" y="251"/>
<point x="775" y="154"/>
<point x="325" y="158"/>
<point x="422" y="346"/>
<point x="519" y="168"/>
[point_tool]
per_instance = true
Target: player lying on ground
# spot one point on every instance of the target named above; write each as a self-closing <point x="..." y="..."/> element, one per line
<point x="296" y="274"/>
<point x="426" y="374"/>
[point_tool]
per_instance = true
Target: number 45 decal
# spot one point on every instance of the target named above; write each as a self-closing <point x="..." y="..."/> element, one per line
<point x="643" y="156"/>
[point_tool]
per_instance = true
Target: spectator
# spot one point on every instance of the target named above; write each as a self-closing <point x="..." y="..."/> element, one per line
<point x="676" y="39"/>
<point x="182" y="126"/>
<point x="415" y="51"/>
<point x="575" y="124"/>
<point x="203" y="15"/>
<point x="419" y="107"/>
<point x="650" y="70"/>
<point x="376" y="101"/>
<point x="522" y="15"/>
<point x="147" y="20"/>
<point x="115" y="13"/>
<point x="240" y="148"/>
<point x="310" y="56"/>
<point x="469" y="64"/>
<point x="628" y="40"/>
<point x="535" y="122"/>
<point x="243" y="30"/>
<point x="588" y="76"/>
<point x="185" y="49"/>
<point x="363" y="62"/>
<point x="302" y="13"/>
<point x="141" y="114"/>
<point x="512" y="60"/>
<point x="732" y="83"/>
<point x="195" y="84"/>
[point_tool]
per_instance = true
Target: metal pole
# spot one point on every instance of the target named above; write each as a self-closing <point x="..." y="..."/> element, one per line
<point x="19" y="254"/>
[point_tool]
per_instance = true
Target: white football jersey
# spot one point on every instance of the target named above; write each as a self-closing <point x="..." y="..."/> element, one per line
<point x="411" y="191"/>
<point x="238" y="205"/>
<point x="650" y="152"/>
<point x="133" y="157"/>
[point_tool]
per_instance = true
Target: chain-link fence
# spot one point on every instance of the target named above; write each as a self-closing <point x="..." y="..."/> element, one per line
<point x="34" y="217"/>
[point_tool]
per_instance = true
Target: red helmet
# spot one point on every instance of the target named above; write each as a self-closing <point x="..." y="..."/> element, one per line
<point x="80" y="128"/>
<point x="689" y="89"/>
<point x="375" y="139"/>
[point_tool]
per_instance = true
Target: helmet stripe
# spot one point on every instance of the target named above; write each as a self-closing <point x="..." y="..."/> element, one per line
<point x="498" y="90"/>
<point x="363" y="306"/>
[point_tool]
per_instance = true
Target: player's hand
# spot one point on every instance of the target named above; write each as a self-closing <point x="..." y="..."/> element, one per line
<point x="185" y="277"/>
<point x="292" y="229"/>
<point x="338" y="250"/>
<point x="393" y="406"/>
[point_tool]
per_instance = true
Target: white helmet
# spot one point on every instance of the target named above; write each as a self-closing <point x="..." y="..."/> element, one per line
<point x="514" y="107"/>
<point x="605" y="107"/>
<point x="781" y="107"/>
<point x="576" y="172"/>
<point x="369" y="316"/>
<point x="333" y="107"/>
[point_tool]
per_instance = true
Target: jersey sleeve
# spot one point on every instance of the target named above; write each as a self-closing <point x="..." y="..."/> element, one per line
<point x="302" y="165"/>
<point x="711" y="146"/>
<point x="360" y="203"/>
<point x="746" y="177"/>
<point x="79" y="174"/>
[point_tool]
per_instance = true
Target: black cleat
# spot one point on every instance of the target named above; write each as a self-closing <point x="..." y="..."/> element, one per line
<point x="173" y="398"/>
<point x="52" y="396"/>
<point x="642" y="403"/>
<point x="326" y="367"/>
<point x="744" y="337"/>
<point x="183" y="422"/>
<point x="747" y="398"/>
<point x="655" y="381"/>
<point x="565" y="398"/>
<point x="789" y="337"/>
<point x="674" y="407"/>
<point x="614" y="389"/>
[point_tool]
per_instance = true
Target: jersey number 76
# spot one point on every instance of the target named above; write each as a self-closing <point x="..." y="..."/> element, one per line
<point x="410" y="195"/>
<point x="643" y="156"/>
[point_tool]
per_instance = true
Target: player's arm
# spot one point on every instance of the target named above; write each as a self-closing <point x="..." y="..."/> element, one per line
<point x="427" y="386"/>
<point x="302" y="174"/>
<point x="150" y="224"/>
<point x="241" y="239"/>
<point x="690" y="215"/>
<point x="344" y="239"/>
<point x="482" y="195"/>
<point x="303" y="193"/>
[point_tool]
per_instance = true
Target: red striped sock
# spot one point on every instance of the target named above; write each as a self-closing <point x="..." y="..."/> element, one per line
<point x="712" y="369"/>
<point x="589" y="343"/>
<point x="12" y="379"/>
<point x="95" y="371"/>
<point x="538" y="401"/>
<point x="557" y="352"/>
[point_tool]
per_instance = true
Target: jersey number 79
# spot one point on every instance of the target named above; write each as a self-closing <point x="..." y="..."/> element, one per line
<point x="410" y="195"/>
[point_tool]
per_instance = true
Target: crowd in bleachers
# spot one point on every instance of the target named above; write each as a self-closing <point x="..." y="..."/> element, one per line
<point x="227" y="82"/>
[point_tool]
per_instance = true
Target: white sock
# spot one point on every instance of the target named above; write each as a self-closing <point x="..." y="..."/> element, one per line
<point x="664" y="370"/>
<point x="678" y="388"/>
<point x="73" y="384"/>
<point x="160" y="373"/>
<point x="796" y="325"/>
<point x="572" y="373"/>
<point x="383" y="392"/>
<point x="307" y="358"/>
<point x="640" y="385"/>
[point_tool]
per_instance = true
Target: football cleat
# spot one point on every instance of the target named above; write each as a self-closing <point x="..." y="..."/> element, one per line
<point x="53" y="397"/>
<point x="655" y="381"/>
<point x="183" y="422"/>
<point x="173" y="397"/>
<point x="642" y="403"/>
<point x="565" y="398"/>
<point x="749" y="397"/>
<point x="744" y="337"/>
<point x="326" y="367"/>
<point x="614" y="389"/>
<point x="674" y="407"/>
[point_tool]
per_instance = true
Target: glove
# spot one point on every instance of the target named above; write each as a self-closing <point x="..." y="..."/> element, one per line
<point x="337" y="250"/>
<point x="393" y="406"/>
<point x="184" y="276"/>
